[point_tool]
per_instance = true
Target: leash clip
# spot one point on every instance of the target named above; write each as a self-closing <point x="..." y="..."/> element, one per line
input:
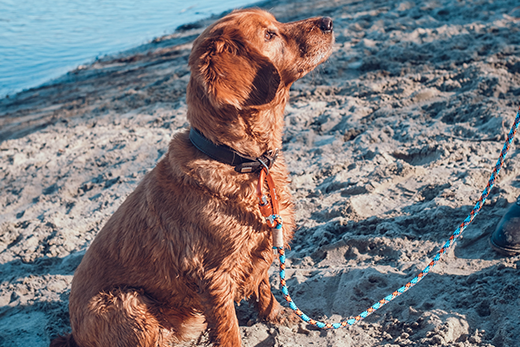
<point x="263" y="201"/>
<point x="264" y="165"/>
<point x="267" y="159"/>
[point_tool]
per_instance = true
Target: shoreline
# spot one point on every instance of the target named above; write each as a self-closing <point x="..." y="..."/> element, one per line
<point x="390" y="143"/>
<point x="10" y="104"/>
<point x="34" y="56"/>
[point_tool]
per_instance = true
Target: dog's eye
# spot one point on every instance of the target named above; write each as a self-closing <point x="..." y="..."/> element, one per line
<point x="269" y="35"/>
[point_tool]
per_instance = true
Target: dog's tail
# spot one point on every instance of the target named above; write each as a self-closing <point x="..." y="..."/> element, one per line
<point x="64" y="341"/>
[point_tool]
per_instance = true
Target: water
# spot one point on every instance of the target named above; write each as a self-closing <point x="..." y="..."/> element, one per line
<point x="42" y="39"/>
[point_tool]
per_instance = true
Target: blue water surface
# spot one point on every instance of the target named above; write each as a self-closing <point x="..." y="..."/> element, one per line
<point x="43" y="39"/>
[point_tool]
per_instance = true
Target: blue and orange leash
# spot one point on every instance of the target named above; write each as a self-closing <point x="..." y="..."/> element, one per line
<point x="269" y="210"/>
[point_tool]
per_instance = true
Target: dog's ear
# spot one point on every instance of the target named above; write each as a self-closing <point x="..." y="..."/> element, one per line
<point x="236" y="74"/>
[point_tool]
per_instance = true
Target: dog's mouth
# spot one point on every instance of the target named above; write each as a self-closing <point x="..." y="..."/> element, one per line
<point x="320" y="54"/>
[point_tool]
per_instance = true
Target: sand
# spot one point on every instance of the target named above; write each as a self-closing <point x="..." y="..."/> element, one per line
<point x="389" y="145"/>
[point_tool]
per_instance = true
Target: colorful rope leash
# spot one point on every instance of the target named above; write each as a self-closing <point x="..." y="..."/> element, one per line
<point x="277" y="227"/>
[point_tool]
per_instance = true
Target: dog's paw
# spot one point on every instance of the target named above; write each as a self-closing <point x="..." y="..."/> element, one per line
<point x="285" y="317"/>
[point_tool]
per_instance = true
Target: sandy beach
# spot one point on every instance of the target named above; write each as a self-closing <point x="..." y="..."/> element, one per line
<point x="389" y="145"/>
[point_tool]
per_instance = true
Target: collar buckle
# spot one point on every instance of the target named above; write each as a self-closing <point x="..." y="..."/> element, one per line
<point x="265" y="161"/>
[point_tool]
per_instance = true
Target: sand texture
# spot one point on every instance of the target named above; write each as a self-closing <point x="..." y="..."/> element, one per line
<point x="389" y="145"/>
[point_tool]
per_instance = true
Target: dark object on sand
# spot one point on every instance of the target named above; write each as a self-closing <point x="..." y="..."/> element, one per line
<point x="506" y="238"/>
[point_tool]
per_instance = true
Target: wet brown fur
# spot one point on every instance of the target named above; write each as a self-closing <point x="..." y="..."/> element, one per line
<point x="190" y="240"/>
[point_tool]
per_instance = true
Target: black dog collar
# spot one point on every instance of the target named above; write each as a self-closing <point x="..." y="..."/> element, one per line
<point x="228" y="155"/>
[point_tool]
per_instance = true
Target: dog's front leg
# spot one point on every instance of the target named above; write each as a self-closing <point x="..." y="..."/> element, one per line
<point x="219" y="309"/>
<point x="265" y="303"/>
<point x="268" y="307"/>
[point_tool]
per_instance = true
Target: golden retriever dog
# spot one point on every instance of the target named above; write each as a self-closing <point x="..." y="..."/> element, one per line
<point x="190" y="241"/>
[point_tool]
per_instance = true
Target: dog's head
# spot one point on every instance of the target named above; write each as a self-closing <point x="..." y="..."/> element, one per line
<point x="243" y="59"/>
<point x="241" y="69"/>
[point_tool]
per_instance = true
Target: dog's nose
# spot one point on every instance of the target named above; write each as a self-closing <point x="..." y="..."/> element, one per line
<point x="326" y="24"/>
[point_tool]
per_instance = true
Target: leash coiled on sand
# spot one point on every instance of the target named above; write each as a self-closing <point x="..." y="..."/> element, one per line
<point x="281" y="252"/>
